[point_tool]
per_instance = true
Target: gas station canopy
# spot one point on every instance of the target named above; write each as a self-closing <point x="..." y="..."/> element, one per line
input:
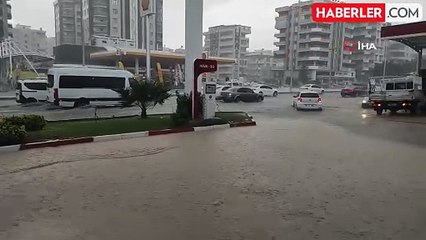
<point x="165" y="58"/>
<point x="410" y="34"/>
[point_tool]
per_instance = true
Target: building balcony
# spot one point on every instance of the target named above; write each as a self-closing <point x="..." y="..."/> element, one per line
<point x="281" y="24"/>
<point x="314" y="39"/>
<point x="282" y="9"/>
<point x="315" y="67"/>
<point x="314" y="49"/>
<point x="320" y="30"/>
<point x="313" y="58"/>
<point x="279" y="52"/>
<point x="281" y="43"/>
<point x="305" y="21"/>
<point x="280" y="35"/>
<point x="347" y="61"/>
<point x="225" y="37"/>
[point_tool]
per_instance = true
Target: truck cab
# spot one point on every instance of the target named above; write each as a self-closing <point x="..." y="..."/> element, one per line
<point x="400" y="93"/>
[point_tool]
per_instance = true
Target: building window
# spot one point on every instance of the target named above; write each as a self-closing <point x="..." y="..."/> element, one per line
<point x="115" y="11"/>
<point x="115" y="2"/>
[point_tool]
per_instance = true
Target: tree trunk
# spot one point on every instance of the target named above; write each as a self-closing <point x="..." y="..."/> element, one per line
<point x="143" y="113"/>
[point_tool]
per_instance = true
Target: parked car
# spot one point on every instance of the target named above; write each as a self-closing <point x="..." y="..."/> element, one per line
<point x="366" y="103"/>
<point x="307" y="100"/>
<point x="28" y="91"/>
<point x="312" y="88"/>
<point x="219" y="90"/>
<point x="354" y="91"/>
<point x="241" y="94"/>
<point x="266" y="90"/>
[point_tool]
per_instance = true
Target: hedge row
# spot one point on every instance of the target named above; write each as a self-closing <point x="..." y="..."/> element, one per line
<point x="14" y="130"/>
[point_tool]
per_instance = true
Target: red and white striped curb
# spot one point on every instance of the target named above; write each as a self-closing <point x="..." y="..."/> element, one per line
<point x="107" y="138"/>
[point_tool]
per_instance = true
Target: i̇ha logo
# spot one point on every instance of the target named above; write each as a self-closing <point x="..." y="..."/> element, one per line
<point x="145" y="5"/>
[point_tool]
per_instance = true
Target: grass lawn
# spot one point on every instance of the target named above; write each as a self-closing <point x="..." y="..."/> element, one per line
<point x="87" y="128"/>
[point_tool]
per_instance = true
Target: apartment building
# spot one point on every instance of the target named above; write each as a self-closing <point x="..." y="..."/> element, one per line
<point x="230" y="41"/>
<point x="398" y="52"/>
<point x="31" y="39"/>
<point x="109" y="18"/>
<point x="366" y="59"/>
<point x="5" y="16"/>
<point x="5" y="32"/>
<point x="259" y="66"/>
<point x="305" y="44"/>
<point x="319" y="47"/>
<point x="67" y="22"/>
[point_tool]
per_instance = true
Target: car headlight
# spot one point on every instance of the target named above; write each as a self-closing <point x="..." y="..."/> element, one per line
<point x="230" y="94"/>
<point x="364" y="101"/>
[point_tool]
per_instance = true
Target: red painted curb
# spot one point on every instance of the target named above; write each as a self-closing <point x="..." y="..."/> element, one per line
<point x="245" y="124"/>
<point x="56" y="143"/>
<point x="170" y="131"/>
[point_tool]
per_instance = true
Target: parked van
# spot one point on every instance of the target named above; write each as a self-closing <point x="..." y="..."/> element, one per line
<point x="28" y="91"/>
<point x="79" y="86"/>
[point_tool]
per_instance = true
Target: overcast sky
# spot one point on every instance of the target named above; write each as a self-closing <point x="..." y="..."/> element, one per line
<point x="259" y="14"/>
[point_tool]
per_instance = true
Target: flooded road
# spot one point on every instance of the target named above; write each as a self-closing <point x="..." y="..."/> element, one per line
<point x="338" y="174"/>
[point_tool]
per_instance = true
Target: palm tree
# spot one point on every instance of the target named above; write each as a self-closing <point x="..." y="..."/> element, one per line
<point x="146" y="94"/>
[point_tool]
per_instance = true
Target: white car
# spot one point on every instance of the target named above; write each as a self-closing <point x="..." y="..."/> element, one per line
<point x="220" y="89"/>
<point x="266" y="90"/>
<point x="28" y="91"/>
<point x="312" y="88"/>
<point x="307" y="100"/>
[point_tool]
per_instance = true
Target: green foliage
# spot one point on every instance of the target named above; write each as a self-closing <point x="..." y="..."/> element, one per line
<point x="146" y="94"/>
<point x="11" y="134"/>
<point x="30" y="122"/>
<point x="184" y="109"/>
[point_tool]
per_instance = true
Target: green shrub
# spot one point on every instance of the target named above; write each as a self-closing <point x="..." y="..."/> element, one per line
<point x="11" y="134"/>
<point x="30" y="122"/>
<point x="184" y="109"/>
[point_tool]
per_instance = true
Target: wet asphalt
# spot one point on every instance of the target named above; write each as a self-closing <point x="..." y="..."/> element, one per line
<point x="343" y="173"/>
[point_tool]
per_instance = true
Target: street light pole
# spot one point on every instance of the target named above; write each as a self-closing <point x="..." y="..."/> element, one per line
<point x="83" y="44"/>
<point x="148" y="47"/>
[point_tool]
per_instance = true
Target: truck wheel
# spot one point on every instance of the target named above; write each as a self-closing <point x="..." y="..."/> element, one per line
<point x="81" y="102"/>
<point x="379" y="112"/>
<point x="237" y="99"/>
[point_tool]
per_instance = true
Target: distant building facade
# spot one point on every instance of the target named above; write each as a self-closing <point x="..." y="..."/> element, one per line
<point x="108" y="18"/>
<point x="5" y="32"/>
<point x="229" y="41"/>
<point x="319" y="47"/>
<point x="31" y="39"/>
<point x="259" y="66"/>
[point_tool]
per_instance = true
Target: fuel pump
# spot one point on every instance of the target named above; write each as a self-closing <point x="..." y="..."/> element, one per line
<point x="209" y="99"/>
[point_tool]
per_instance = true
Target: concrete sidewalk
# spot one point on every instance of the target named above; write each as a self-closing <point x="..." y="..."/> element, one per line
<point x="7" y="95"/>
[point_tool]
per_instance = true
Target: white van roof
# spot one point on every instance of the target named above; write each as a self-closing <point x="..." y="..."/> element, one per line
<point x="91" y="72"/>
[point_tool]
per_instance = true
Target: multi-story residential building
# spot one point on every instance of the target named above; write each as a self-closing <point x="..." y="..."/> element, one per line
<point x="259" y="66"/>
<point x="110" y="18"/>
<point x="5" y="16"/>
<point x="30" y="39"/>
<point x="365" y="59"/>
<point x="228" y="41"/>
<point x="305" y="44"/>
<point x="398" y="52"/>
<point x="68" y="22"/>
<point x="5" y="32"/>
